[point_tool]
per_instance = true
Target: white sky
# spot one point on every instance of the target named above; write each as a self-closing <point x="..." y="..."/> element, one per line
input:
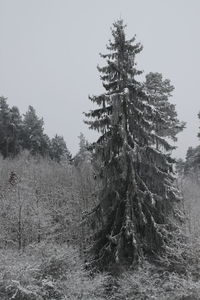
<point x="49" y="50"/>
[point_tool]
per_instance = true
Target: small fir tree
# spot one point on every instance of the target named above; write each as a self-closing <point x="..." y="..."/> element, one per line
<point x="133" y="217"/>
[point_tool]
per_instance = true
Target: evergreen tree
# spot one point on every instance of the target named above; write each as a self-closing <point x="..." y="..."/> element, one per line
<point x="133" y="217"/>
<point x="192" y="162"/>
<point x="33" y="137"/>
<point x="83" y="143"/>
<point x="59" y="150"/>
<point x="159" y="92"/>
<point x="5" y="132"/>
<point x="180" y="165"/>
<point x="199" y="127"/>
<point x="16" y="131"/>
<point x="84" y="154"/>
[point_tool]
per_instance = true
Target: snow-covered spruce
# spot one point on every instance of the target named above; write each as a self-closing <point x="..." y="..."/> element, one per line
<point x="135" y="213"/>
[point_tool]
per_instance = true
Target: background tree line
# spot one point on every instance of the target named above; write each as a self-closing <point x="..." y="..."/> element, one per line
<point x="19" y="132"/>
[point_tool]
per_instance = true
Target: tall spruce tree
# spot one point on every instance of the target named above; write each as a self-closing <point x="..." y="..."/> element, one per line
<point x="133" y="217"/>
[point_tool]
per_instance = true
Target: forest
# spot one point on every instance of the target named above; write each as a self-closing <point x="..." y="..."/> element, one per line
<point x="118" y="220"/>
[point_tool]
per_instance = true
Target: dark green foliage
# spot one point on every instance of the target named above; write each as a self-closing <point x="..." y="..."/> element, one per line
<point x="135" y="207"/>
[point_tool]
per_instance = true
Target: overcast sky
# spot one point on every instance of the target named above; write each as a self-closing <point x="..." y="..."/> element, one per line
<point x="49" y="50"/>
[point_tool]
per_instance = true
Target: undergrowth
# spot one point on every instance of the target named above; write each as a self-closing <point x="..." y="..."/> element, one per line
<point x="56" y="272"/>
